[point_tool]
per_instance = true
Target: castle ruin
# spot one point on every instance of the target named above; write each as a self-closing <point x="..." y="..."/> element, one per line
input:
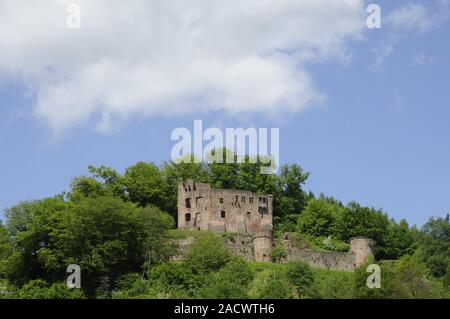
<point x="202" y="207"/>
<point x="249" y="216"/>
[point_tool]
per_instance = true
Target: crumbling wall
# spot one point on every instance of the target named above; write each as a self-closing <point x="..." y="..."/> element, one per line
<point x="360" y="250"/>
<point x="259" y="247"/>
<point x="241" y="245"/>
<point x="249" y="215"/>
<point x="202" y="207"/>
<point x="262" y="245"/>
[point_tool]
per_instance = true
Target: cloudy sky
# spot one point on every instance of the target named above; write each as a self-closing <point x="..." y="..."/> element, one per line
<point x="366" y="111"/>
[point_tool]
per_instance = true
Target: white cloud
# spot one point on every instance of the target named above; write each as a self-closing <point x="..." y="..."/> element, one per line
<point x="421" y="59"/>
<point x="411" y="18"/>
<point x="397" y="102"/>
<point x="145" y="58"/>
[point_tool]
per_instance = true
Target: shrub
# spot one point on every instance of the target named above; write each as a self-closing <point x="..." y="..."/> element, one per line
<point x="301" y="277"/>
<point x="278" y="254"/>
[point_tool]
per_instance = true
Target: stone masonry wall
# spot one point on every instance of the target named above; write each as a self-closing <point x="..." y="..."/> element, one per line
<point x="202" y="207"/>
<point x="249" y="216"/>
<point x="247" y="247"/>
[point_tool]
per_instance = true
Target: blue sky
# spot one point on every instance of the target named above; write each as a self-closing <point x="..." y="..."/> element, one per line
<point x="375" y="128"/>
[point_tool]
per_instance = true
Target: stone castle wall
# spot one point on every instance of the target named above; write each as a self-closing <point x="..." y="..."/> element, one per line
<point x="202" y="207"/>
<point x="248" y="216"/>
<point x="360" y="250"/>
<point x="259" y="248"/>
<point x="222" y="210"/>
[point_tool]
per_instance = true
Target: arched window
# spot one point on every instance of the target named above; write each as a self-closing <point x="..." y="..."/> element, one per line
<point x="222" y="214"/>
<point x="187" y="217"/>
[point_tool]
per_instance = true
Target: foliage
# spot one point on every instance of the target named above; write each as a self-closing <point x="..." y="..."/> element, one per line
<point x="319" y="217"/>
<point x="207" y="255"/>
<point x="39" y="289"/>
<point x="290" y="198"/>
<point x="278" y="254"/>
<point x="300" y="276"/>
<point x="5" y="250"/>
<point x="119" y="229"/>
<point x="270" y="284"/>
<point x="398" y="241"/>
<point x="230" y="282"/>
<point x="105" y="236"/>
<point x="332" y="284"/>
<point x="174" y="280"/>
<point x="362" y="221"/>
<point x="434" y="245"/>
<point x="403" y="279"/>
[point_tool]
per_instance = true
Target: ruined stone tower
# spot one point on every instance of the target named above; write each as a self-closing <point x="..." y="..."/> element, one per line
<point x="362" y="248"/>
<point x="202" y="207"/>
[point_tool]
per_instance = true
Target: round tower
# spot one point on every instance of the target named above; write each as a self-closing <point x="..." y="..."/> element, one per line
<point x="262" y="245"/>
<point x="363" y="248"/>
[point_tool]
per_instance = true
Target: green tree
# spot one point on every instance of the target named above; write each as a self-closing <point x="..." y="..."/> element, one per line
<point x="207" y="254"/>
<point x="319" y="217"/>
<point x="301" y="277"/>
<point x="5" y="250"/>
<point x="398" y="241"/>
<point x="159" y="244"/>
<point x="290" y="198"/>
<point x="362" y="221"/>
<point x="39" y="289"/>
<point x="145" y="184"/>
<point x="270" y="284"/>
<point x="278" y="254"/>
<point x="230" y="282"/>
<point x="446" y="282"/>
<point x="105" y="236"/>
<point x="173" y="279"/>
<point x="403" y="279"/>
<point x="412" y="280"/>
<point x="362" y="291"/>
<point x="108" y="238"/>
<point x="32" y="227"/>
<point x="104" y="181"/>
<point x="434" y="245"/>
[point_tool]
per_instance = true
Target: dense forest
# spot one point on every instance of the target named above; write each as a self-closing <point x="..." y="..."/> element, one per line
<point x="120" y="229"/>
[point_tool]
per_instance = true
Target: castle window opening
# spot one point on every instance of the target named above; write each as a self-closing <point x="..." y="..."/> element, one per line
<point x="197" y="217"/>
<point x="187" y="217"/>
<point x="188" y="203"/>
<point x="222" y="214"/>
<point x="221" y="200"/>
<point x="250" y="200"/>
<point x="243" y="199"/>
